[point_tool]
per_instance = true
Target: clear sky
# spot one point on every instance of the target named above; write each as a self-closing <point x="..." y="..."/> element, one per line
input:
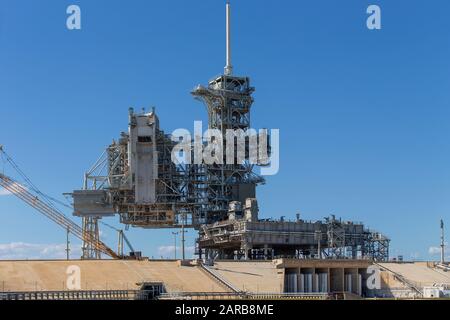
<point x="363" y="114"/>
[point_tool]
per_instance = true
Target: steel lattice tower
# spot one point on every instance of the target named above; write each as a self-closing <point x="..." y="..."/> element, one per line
<point x="228" y="100"/>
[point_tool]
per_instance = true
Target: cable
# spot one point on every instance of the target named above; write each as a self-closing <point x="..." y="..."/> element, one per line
<point x="48" y="199"/>
<point x="122" y="232"/>
<point x="45" y="204"/>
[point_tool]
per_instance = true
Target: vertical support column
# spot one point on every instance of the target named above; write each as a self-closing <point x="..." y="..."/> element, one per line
<point x="329" y="280"/>
<point x="120" y="243"/>
<point x="361" y="281"/>
<point x="67" y="244"/>
<point x="355" y="280"/>
<point x="442" y="243"/>
<point x="90" y="238"/>
<point x="175" y="244"/>
<point x="182" y="236"/>
<point x="246" y="247"/>
<point x="315" y="280"/>
<point x="97" y="236"/>
<point x="337" y="280"/>
<point x="299" y="280"/>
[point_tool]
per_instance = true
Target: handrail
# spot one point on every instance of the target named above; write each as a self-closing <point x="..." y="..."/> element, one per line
<point x="245" y="295"/>
<point x="401" y="278"/>
<point x="78" y="295"/>
<point x="218" y="278"/>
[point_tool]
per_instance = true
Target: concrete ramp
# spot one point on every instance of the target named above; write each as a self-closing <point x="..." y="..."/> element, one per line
<point x="420" y="274"/>
<point x="104" y="275"/>
<point x="251" y="276"/>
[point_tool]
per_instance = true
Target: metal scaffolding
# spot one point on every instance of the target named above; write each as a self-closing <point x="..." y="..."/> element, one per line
<point x="264" y="239"/>
<point x="228" y="101"/>
<point x="146" y="191"/>
<point x="91" y="237"/>
<point x="137" y="179"/>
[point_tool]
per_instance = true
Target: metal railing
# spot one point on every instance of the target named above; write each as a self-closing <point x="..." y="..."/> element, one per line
<point x="291" y="296"/>
<point x="244" y="296"/>
<point x="409" y="283"/>
<point x="218" y="278"/>
<point x="149" y="295"/>
<point x="79" y="295"/>
<point x="201" y="296"/>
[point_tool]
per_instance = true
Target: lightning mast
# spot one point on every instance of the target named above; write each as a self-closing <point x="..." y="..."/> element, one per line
<point x="228" y="67"/>
<point x="228" y="99"/>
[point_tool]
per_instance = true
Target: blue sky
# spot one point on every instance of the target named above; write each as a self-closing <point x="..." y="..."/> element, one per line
<point x="363" y="115"/>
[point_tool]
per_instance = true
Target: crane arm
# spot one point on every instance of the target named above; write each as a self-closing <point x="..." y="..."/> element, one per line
<point x="53" y="214"/>
<point x="121" y="233"/>
<point x="128" y="242"/>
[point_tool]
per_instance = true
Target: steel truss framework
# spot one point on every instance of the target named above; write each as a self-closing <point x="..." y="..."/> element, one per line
<point x="91" y="238"/>
<point x="328" y="239"/>
<point x="175" y="203"/>
<point x="228" y="102"/>
<point x="88" y="233"/>
<point x="190" y="194"/>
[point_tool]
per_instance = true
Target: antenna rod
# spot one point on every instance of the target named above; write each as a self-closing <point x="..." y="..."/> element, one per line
<point x="442" y="243"/>
<point x="228" y="67"/>
<point x="67" y="244"/>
